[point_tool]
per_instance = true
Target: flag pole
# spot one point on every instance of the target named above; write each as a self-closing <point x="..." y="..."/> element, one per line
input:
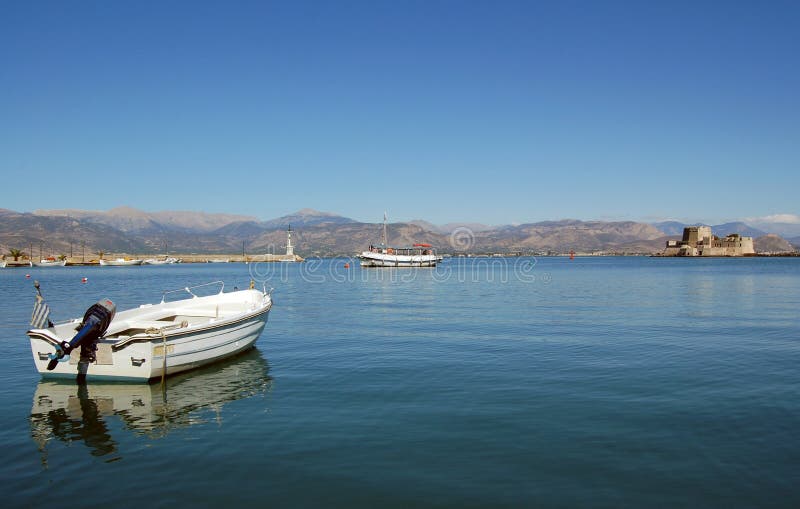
<point x="40" y="309"/>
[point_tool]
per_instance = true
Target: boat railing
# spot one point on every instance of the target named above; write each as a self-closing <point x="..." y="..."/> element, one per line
<point x="68" y="320"/>
<point x="190" y="288"/>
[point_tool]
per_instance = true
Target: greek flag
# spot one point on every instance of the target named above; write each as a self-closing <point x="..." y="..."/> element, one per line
<point x="40" y="318"/>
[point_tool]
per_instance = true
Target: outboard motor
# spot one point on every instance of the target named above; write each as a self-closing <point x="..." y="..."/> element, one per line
<point x="94" y="325"/>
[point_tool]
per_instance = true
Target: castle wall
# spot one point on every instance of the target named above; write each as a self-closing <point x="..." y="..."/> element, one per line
<point x="699" y="241"/>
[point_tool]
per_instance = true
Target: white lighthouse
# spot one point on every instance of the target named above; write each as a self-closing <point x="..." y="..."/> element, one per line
<point x="289" y="246"/>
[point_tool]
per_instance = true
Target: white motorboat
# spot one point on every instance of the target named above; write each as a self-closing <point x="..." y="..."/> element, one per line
<point x="47" y="262"/>
<point x="157" y="261"/>
<point x="382" y="255"/>
<point x="2" y="264"/>
<point x="148" y="410"/>
<point x="153" y="339"/>
<point x="226" y="260"/>
<point x="121" y="262"/>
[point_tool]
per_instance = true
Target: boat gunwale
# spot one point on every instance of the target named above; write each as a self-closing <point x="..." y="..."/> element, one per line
<point x="117" y="344"/>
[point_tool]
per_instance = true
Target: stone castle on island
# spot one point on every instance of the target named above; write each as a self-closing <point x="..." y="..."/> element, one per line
<point x="698" y="241"/>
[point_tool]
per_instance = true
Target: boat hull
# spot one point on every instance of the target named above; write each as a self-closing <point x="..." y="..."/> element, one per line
<point x="120" y="263"/>
<point x="48" y="263"/>
<point x="152" y="261"/>
<point x="369" y="259"/>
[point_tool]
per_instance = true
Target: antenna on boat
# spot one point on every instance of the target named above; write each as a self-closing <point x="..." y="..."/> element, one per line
<point x="384" y="229"/>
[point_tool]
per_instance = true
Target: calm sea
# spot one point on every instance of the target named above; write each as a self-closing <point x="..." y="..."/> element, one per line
<point x="598" y="382"/>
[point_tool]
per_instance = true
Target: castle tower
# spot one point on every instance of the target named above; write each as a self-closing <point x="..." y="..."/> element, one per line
<point x="289" y="246"/>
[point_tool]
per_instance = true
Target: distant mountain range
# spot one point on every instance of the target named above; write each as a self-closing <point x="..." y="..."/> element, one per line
<point x="128" y="219"/>
<point x="676" y="228"/>
<point x="785" y="225"/>
<point x="450" y="227"/>
<point x="772" y="243"/>
<point x="128" y="230"/>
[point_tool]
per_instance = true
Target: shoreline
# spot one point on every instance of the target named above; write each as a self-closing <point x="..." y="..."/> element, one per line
<point x="206" y="258"/>
<point x="77" y="261"/>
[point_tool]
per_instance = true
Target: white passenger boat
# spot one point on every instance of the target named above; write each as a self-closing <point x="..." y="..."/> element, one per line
<point x="382" y="255"/>
<point x="120" y="262"/>
<point x="47" y="262"/>
<point x="418" y="255"/>
<point x="152" y="339"/>
<point x="158" y="261"/>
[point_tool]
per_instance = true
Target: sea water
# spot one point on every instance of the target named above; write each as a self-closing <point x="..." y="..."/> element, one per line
<point x="492" y="382"/>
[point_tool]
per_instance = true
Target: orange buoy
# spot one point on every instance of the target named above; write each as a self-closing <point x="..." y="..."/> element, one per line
<point x="346" y="265"/>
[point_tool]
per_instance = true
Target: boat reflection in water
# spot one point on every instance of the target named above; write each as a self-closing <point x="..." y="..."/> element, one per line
<point x="70" y="411"/>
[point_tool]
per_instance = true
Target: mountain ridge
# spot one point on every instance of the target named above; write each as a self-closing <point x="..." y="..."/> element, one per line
<point x="125" y="229"/>
<point x="721" y="230"/>
<point x="129" y="219"/>
<point x="772" y="243"/>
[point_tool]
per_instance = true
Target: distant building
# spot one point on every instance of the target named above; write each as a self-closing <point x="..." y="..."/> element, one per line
<point x="699" y="241"/>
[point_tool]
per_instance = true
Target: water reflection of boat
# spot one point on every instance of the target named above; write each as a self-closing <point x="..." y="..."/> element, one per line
<point x="69" y="411"/>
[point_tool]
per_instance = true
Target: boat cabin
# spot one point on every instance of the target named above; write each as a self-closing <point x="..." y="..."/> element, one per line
<point x="415" y="250"/>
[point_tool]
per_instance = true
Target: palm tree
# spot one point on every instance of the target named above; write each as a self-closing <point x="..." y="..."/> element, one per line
<point x="101" y="254"/>
<point x="16" y="253"/>
<point x="62" y="257"/>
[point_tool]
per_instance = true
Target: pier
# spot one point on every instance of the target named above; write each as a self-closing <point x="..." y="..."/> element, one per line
<point x="184" y="258"/>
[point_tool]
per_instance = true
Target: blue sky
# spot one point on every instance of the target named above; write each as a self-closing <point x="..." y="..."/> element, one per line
<point x="486" y="111"/>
